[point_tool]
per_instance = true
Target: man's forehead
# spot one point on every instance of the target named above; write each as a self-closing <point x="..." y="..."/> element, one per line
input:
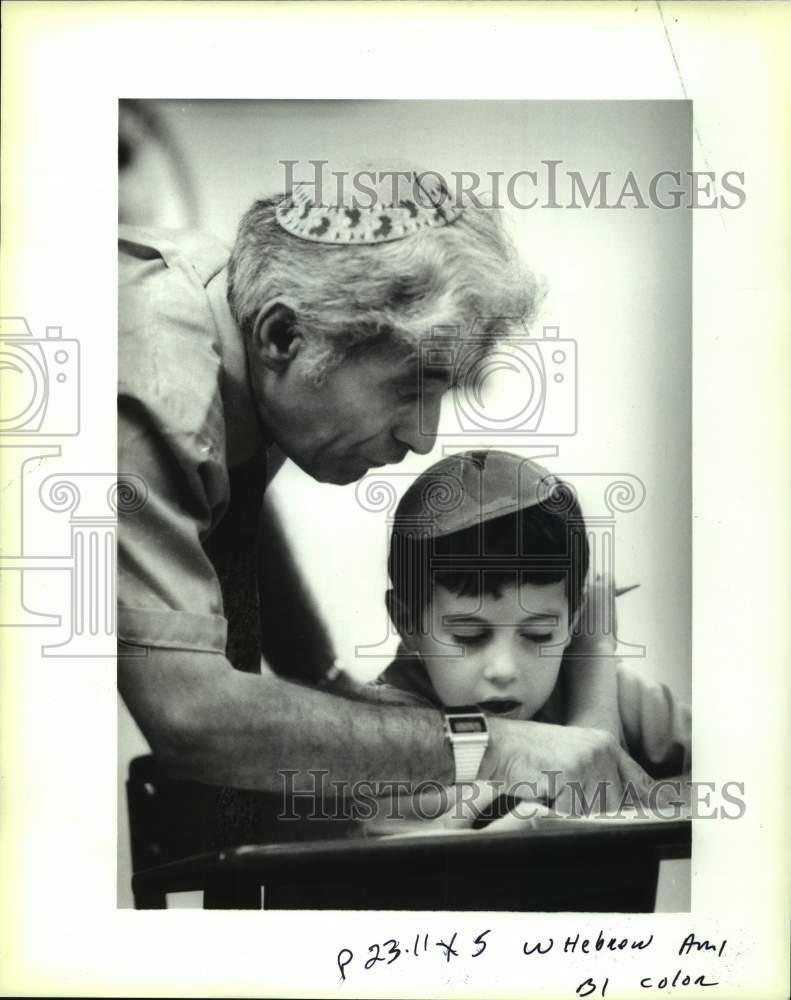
<point x="437" y="361"/>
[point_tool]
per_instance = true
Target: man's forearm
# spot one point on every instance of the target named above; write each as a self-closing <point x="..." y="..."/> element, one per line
<point x="210" y="723"/>
<point x="592" y="692"/>
<point x="590" y="666"/>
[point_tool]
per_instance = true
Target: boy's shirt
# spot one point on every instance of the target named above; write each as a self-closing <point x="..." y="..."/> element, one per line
<point x="656" y="728"/>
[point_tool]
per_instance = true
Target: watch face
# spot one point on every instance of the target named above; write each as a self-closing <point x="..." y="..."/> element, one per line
<point x="467" y="724"/>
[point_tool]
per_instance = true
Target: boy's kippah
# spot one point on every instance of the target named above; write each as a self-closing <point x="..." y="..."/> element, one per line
<point x="475" y="486"/>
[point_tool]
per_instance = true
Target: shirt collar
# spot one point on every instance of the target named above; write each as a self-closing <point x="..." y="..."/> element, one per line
<point x="245" y="432"/>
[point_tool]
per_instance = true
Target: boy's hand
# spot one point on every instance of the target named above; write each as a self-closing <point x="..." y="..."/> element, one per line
<point x="558" y="764"/>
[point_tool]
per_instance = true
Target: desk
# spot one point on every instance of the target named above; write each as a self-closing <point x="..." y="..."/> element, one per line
<point x="558" y="865"/>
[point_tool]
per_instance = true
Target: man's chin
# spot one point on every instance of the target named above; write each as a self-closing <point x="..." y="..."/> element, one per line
<point x="337" y="479"/>
<point x="341" y="472"/>
<point x="340" y="476"/>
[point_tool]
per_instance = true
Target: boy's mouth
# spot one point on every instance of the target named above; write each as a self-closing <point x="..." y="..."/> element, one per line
<point x="500" y="706"/>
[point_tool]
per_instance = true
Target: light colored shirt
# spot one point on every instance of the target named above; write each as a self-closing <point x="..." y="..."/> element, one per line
<point x="171" y="434"/>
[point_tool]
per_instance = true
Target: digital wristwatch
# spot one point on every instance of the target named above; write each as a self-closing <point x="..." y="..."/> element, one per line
<point x="468" y="735"/>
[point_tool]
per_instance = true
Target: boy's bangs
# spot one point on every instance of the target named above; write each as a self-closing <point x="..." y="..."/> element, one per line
<point x="477" y="583"/>
<point x="536" y="545"/>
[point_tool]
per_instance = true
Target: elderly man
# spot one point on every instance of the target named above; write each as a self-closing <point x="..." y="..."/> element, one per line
<point x="306" y="338"/>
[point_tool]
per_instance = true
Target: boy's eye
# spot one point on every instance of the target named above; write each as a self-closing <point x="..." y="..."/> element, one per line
<point x="469" y="638"/>
<point x="537" y="637"/>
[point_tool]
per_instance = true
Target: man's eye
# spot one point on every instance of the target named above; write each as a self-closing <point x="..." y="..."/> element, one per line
<point x="537" y="637"/>
<point x="429" y="388"/>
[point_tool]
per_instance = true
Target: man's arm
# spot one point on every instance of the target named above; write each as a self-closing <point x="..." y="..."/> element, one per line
<point x="208" y="722"/>
<point x="590" y="667"/>
<point x="592" y="698"/>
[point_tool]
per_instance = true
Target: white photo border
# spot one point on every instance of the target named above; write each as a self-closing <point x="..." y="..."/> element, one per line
<point x="64" y="68"/>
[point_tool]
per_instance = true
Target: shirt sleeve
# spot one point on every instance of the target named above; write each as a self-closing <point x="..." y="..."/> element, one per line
<point x="168" y="592"/>
<point x="388" y="694"/>
<point x="170" y="438"/>
<point x="657" y="727"/>
<point x="406" y="678"/>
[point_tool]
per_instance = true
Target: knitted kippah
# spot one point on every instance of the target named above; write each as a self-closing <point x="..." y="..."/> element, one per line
<point x="390" y="206"/>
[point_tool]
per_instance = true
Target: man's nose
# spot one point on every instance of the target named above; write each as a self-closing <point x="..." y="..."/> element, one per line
<point x="418" y="430"/>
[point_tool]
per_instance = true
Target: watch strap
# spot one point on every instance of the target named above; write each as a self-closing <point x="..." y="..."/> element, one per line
<point x="468" y="761"/>
<point x="468" y="735"/>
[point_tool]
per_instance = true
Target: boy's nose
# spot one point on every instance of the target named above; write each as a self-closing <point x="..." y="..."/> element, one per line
<point x="500" y="669"/>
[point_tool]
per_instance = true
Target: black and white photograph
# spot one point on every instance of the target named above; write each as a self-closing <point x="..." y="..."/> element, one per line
<point x="404" y="563"/>
<point x="394" y="444"/>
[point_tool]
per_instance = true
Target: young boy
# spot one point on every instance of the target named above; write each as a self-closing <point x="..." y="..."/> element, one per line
<point x="489" y="558"/>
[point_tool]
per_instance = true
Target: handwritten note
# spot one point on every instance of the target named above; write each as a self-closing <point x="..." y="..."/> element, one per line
<point x="689" y="961"/>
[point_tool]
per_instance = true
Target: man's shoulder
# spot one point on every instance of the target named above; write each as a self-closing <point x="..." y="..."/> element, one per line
<point x="169" y="350"/>
<point x="202" y="253"/>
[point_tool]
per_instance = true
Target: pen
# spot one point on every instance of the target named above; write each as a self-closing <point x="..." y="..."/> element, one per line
<point x="620" y="591"/>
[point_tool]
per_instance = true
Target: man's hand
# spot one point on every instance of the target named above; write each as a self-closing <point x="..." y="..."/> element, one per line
<point x="590" y="665"/>
<point x="571" y="768"/>
<point x="597" y="628"/>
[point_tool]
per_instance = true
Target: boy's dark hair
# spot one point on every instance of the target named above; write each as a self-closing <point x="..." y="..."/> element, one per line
<point x="540" y="544"/>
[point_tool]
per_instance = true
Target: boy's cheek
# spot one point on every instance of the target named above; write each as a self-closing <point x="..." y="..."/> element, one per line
<point x="438" y="644"/>
<point x="431" y="648"/>
<point x="452" y="681"/>
<point x="563" y="644"/>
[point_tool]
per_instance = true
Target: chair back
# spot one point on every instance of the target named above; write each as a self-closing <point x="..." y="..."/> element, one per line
<point x="168" y="820"/>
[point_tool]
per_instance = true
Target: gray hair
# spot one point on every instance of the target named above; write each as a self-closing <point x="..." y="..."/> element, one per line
<point x="461" y="275"/>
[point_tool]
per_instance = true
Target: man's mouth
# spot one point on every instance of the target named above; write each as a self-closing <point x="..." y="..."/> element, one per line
<point x="388" y="460"/>
<point x="500" y="706"/>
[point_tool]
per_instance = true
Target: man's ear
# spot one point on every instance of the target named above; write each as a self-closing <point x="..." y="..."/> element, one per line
<point x="275" y="340"/>
<point x="400" y="617"/>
